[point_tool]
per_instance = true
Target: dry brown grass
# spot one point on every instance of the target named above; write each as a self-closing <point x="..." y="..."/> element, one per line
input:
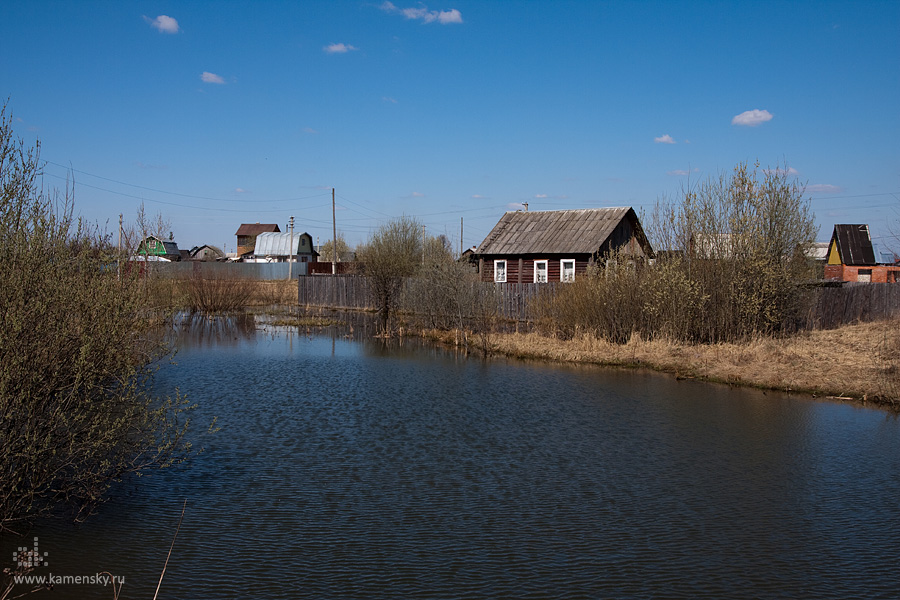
<point x="855" y="361"/>
<point x="274" y="293"/>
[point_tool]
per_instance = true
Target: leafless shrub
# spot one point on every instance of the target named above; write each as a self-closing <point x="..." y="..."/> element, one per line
<point x="219" y="294"/>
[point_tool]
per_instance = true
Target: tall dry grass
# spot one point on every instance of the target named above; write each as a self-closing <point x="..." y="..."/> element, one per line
<point x="856" y="361"/>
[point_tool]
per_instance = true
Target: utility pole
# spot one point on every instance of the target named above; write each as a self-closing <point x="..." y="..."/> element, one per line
<point x="460" y="237"/>
<point x="119" y="269"/>
<point x="423" y="244"/>
<point x="333" y="237"/>
<point x="291" y="255"/>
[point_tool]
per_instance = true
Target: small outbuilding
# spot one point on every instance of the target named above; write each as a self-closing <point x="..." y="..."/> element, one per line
<point x="851" y="257"/>
<point x="558" y="245"/>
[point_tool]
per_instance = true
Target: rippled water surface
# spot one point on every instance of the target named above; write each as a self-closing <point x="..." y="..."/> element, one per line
<point x="345" y="469"/>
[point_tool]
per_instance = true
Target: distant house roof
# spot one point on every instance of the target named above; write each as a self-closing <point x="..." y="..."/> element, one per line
<point x="817" y="251"/>
<point x="279" y="244"/>
<point x="257" y="228"/>
<point x="581" y="231"/>
<point x="853" y="245"/>
<point x="160" y="247"/>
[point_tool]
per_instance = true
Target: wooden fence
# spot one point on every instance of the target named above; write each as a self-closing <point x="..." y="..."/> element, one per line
<point x="335" y="291"/>
<point x="854" y="303"/>
<point x="516" y="301"/>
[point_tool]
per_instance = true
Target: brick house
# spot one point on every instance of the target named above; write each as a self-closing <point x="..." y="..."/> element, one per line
<point x="851" y="257"/>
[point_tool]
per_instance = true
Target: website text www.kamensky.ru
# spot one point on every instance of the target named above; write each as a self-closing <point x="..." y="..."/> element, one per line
<point x="49" y="579"/>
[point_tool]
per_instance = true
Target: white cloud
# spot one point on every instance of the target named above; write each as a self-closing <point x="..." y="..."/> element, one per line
<point x="418" y="195"/>
<point x="340" y="48"/>
<point x="477" y="197"/>
<point x="791" y="171"/>
<point x="310" y="131"/>
<point x="752" y="118"/>
<point x="664" y="139"/>
<point x="388" y="99"/>
<point x="515" y="206"/>
<point x="207" y="77"/>
<point x="164" y="24"/>
<point x="682" y="172"/>
<point x="444" y="17"/>
<point x="540" y="195"/>
<point x="823" y="188"/>
<point x="240" y="191"/>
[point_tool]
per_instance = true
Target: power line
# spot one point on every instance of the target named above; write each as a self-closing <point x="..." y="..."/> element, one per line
<point x="149" y="189"/>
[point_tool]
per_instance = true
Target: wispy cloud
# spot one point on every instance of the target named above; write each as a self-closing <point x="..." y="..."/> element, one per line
<point x="682" y="172"/>
<point x="339" y="48"/>
<point x="664" y="139"/>
<point x="539" y="196"/>
<point x="207" y="77"/>
<point x="477" y="197"/>
<point x="418" y="195"/>
<point x="240" y="191"/>
<point x="790" y="171"/>
<point x="823" y="188"/>
<point x="163" y="24"/>
<point x="444" y="17"/>
<point x="389" y="100"/>
<point x="310" y="131"/>
<point x="515" y="206"/>
<point x="752" y="118"/>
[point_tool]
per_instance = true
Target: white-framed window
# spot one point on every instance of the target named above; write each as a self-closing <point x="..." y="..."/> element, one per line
<point x="567" y="269"/>
<point x="540" y="271"/>
<point x="500" y="271"/>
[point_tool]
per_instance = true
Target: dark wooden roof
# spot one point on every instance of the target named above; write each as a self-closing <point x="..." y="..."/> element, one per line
<point x="854" y="244"/>
<point x="257" y="228"/>
<point x="555" y="231"/>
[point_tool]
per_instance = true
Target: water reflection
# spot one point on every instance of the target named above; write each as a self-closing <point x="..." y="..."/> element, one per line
<point x="366" y="470"/>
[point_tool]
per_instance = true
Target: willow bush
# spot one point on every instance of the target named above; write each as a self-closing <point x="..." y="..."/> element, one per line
<point x="76" y="349"/>
<point x="733" y="265"/>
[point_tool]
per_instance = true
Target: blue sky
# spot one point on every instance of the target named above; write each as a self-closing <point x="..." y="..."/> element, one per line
<point x="219" y="113"/>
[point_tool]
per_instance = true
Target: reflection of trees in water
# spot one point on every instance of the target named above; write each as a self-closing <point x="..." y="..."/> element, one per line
<point x="199" y="329"/>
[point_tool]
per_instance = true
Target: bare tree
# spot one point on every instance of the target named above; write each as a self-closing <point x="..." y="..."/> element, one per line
<point x="76" y="342"/>
<point x="326" y="252"/>
<point x="393" y="253"/>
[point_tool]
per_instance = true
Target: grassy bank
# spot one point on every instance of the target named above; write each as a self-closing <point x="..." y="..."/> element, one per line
<point x="855" y="362"/>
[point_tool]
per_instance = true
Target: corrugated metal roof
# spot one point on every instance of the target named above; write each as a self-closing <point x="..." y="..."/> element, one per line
<point x="553" y="231"/>
<point x="257" y="228"/>
<point x="854" y="244"/>
<point x="277" y="244"/>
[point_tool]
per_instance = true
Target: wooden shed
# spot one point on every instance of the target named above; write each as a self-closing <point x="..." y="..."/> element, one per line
<point x="557" y="245"/>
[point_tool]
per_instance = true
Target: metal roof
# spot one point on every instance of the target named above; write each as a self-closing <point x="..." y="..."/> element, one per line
<point x="580" y="231"/>
<point x="278" y="244"/>
<point x="854" y="244"/>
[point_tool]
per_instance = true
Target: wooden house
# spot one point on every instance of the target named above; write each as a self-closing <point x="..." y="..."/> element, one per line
<point x="851" y="257"/>
<point x="557" y="245"/>
<point x="152" y="246"/>
<point x="206" y="253"/>
<point x="246" y="236"/>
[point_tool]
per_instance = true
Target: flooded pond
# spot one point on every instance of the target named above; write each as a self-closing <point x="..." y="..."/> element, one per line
<point x="351" y="469"/>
